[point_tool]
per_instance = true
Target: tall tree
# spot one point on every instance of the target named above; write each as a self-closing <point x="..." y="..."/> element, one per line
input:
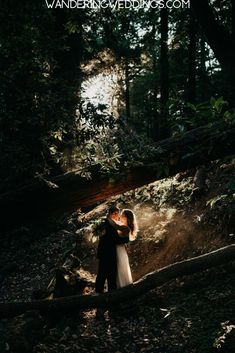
<point x="156" y="121"/>
<point x="220" y="39"/>
<point x="164" y="73"/>
<point x="203" y="79"/>
<point x="191" y="83"/>
<point x="120" y="35"/>
<point x="66" y="74"/>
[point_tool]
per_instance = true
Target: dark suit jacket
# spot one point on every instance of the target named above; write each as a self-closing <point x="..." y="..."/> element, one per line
<point x="108" y="242"/>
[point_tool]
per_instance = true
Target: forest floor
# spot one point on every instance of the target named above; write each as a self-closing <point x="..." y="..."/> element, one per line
<point x="189" y="314"/>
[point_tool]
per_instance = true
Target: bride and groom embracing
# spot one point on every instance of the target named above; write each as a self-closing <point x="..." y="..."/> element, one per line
<point x="120" y="228"/>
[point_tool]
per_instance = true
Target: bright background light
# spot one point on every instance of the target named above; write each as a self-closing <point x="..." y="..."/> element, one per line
<point x="101" y="89"/>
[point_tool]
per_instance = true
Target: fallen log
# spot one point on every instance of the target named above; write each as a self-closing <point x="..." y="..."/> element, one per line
<point x="107" y="300"/>
<point x="45" y="200"/>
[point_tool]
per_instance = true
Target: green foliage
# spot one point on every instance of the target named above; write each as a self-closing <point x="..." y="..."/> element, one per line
<point x="231" y="186"/>
<point x="45" y="126"/>
<point x="42" y="115"/>
<point x="222" y="209"/>
<point x="184" y="117"/>
<point x="93" y="230"/>
<point x="226" y="329"/>
<point x="214" y="201"/>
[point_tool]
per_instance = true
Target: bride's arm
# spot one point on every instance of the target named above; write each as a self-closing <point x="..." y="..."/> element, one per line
<point x="124" y="230"/>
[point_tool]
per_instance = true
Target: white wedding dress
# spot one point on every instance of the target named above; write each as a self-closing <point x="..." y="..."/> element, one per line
<point x="124" y="276"/>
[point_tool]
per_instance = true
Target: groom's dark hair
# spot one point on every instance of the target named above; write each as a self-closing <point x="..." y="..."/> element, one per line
<point x="113" y="209"/>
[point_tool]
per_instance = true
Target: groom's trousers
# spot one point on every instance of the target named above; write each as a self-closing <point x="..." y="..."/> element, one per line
<point x="107" y="270"/>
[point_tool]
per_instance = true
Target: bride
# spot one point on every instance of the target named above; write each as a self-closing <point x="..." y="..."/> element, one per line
<point x="126" y="226"/>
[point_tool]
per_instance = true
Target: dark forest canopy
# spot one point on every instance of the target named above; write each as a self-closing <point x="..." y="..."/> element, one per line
<point x="173" y="69"/>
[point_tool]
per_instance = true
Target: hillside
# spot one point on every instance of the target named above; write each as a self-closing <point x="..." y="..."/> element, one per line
<point x="189" y="314"/>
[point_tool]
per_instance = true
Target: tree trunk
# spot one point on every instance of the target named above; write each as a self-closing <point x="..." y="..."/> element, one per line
<point x="217" y="36"/>
<point x="42" y="200"/>
<point x="233" y="52"/>
<point x="191" y="86"/>
<point x="154" y="128"/>
<point x="147" y="283"/>
<point x="127" y="90"/>
<point x="220" y="41"/>
<point x="68" y="59"/>
<point x="202" y="55"/>
<point x="203" y="79"/>
<point x="67" y="76"/>
<point x="164" y="74"/>
<point x="233" y="22"/>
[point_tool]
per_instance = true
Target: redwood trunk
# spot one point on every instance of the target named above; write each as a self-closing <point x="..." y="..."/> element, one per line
<point x="164" y="74"/>
<point x="217" y="36"/>
<point x="191" y="87"/>
<point x="221" y="41"/>
<point x="39" y="202"/>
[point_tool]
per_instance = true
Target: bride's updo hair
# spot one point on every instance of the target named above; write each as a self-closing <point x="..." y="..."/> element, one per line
<point x="131" y="222"/>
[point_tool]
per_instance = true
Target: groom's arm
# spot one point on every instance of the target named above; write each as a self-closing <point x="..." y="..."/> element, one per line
<point x="125" y="230"/>
<point x="117" y="238"/>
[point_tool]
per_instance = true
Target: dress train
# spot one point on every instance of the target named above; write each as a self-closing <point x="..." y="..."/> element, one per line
<point x="124" y="276"/>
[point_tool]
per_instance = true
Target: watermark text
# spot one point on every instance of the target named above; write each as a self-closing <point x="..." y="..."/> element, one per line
<point x="117" y="4"/>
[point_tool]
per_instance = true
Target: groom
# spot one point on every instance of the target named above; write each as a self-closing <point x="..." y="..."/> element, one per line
<point x="107" y="269"/>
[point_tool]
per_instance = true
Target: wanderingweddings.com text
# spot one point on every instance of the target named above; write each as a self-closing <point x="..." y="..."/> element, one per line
<point x="117" y="4"/>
